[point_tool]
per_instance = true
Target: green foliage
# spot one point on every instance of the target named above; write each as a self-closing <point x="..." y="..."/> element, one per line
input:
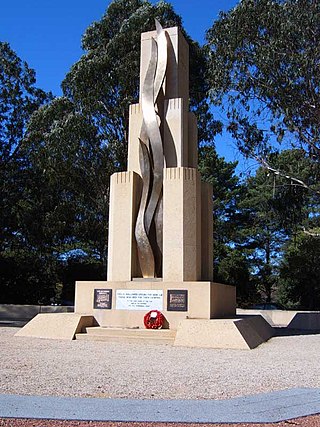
<point x="295" y="200"/>
<point x="264" y="72"/>
<point x="255" y="218"/>
<point x="226" y="192"/>
<point x="230" y="265"/>
<point x="234" y="269"/>
<point x="272" y="210"/>
<point x="19" y="98"/>
<point x="264" y="68"/>
<point x="72" y="170"/>
<point x="23" y="278"/>
<point x="299" y="285"/>
<point x="259" y="235"/>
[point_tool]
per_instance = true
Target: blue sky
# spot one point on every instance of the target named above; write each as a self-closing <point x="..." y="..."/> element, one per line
<point x="47" y="34"/>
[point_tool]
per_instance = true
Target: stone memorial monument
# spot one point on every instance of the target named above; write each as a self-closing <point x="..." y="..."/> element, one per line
<point x="160" y="225"/>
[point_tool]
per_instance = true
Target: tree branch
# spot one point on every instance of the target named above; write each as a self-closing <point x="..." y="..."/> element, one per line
<point x="309" y="233"/>
<point x="299" y="182"/>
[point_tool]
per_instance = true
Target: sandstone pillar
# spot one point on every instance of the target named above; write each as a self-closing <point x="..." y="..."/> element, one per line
<point x="124" y="189"/>
<point x="181" y="216"/>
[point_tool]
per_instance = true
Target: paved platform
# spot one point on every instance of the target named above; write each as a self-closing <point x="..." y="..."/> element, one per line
<point x="262" y="408"/>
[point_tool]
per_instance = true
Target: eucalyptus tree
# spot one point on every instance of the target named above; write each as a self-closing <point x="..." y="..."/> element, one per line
<point x="19" y="98"/>
<point x="264" y="70"/>
<point x="264" y="73"/>
<point x="273" y="212"/>
<point x="299" y="273"/>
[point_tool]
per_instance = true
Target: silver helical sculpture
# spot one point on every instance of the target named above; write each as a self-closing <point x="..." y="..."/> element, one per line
<point x="148" y="229"/>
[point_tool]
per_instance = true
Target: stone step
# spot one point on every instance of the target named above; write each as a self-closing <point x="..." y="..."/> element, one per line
<point x="164" y="336"/>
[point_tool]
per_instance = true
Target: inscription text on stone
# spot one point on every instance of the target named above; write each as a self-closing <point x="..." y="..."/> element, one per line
<point x="127" y="299"/>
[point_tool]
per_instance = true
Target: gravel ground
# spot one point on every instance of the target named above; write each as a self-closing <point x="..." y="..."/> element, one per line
<point x="32" y="366"/>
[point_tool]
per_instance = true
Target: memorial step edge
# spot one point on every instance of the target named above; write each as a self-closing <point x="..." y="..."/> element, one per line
<point x="128" y="334"/>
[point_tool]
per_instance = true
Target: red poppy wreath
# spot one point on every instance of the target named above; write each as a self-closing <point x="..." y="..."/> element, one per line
<point x="154" y="319"/>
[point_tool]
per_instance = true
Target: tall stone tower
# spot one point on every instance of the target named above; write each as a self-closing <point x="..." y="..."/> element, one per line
<point x="160" y="224"/>
<point x="160" y="212"/>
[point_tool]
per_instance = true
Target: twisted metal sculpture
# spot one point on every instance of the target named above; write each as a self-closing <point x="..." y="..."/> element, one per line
<point x="149" y="243"/>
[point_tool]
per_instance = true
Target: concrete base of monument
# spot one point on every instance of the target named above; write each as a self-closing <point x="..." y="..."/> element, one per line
<point x="61" y="326"/>
<point x="197" y="314"/>
<point x="238" y="333"/>
<point x="124" y="304"/>
<point x="241" y="333"/>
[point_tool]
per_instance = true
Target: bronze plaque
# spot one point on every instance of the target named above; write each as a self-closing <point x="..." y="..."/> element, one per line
<point x="102" y="299"/>
<point x="177" y="300"/>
